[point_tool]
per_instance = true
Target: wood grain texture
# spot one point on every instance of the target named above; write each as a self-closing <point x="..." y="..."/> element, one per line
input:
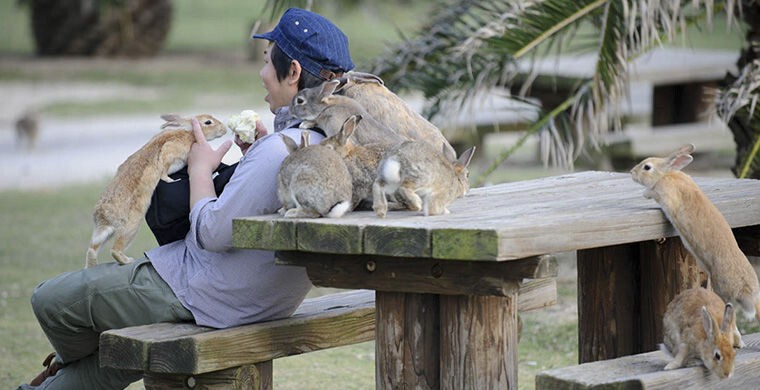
<point x="324" y="322"/>
<point x="407" y="343"/>
<point x="645" y="371"/>
<point x="249" y="377"/>
<point x="418" y="275"/>
<point x="508" y="221"/>
<point x="478" y="342"/>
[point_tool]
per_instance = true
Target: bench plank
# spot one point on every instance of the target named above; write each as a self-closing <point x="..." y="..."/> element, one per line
<point x="323" y="322"/>
<point x="645" y="371"/>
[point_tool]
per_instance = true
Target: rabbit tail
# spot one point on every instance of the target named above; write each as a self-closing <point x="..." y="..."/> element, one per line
<point x="339" y="209"/>
<point x="100" y="235"/>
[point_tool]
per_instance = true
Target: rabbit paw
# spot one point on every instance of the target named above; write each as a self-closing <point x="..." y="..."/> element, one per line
<point x="168" y="179"/>
<point x="672" y="365"/>
<point x="307" y="125"/>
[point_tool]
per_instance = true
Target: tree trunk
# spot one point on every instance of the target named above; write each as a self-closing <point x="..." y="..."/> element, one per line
<point x="128" y="28"/>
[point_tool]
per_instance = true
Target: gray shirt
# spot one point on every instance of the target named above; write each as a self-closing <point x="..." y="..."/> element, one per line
<point x="223" y="286"/>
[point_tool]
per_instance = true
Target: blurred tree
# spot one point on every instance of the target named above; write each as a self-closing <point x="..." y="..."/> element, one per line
<point x="472" y="46"/>
<point x="106" y="28"/>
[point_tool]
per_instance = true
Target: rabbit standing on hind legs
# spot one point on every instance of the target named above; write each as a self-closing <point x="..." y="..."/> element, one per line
<point x="123" y="203"/>
<point x="704" y="231"/>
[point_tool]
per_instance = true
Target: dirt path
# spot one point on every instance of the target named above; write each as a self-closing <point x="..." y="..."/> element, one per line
<point x="75" y="150"/>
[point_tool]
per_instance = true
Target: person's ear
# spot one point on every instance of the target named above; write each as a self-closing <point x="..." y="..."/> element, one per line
<point x="294" y="73"/>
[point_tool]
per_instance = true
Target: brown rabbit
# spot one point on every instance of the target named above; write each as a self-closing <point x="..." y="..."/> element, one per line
<point x="123" y="203"/>
<point x="27" y="129"/>
<point x="319" y="107"/>
<point x="421" y="177"/>
<point x="385" y="106"/>
<point x="703" y="229"/>
<point x="698" y="326"/>
<point x="313" y="181"/>
<point x="362" y="161"/>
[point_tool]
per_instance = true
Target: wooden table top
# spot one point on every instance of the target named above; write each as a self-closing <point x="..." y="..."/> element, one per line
<point x="503" y="222"/>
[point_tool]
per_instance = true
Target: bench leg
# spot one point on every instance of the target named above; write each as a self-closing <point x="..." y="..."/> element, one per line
<point x="623" y="291"/>
<point x="250" y="377"/>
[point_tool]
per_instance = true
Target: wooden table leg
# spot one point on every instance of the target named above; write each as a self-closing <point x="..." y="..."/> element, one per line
<point x="623" y="291"/>
<point x="427" y="341"/>
<point x="406" y="342"/>
<point x="479" y="342"/>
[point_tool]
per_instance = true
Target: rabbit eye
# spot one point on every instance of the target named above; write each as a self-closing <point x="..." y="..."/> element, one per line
<point x="717" y="356"/>
<point x="300" y="100"/>
<point x="647" y="167"/>
<point x="207" y="122"/>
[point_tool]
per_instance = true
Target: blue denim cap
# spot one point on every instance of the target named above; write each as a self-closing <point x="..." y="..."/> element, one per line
<point x="312" y="40"/>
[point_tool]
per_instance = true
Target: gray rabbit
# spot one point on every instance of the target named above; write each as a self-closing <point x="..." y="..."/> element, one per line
<point x="421" y="177"/>
<point x="313" y="181"/>
<point x="319" y="107"/>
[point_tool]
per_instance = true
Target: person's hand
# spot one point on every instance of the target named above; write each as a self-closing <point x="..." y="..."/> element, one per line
<point x="261" y="131"/>
<point x="204" y="159"/>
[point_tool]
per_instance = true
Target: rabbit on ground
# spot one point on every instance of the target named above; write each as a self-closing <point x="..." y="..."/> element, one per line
<point x="27" y="129"/>
<point x="313" y="181"/>
<point x="699" y="327"/>
<point x="361" y="160"/>
<point x="421" y="177"/>
<point x="387" y="107"/>
<point x="123" y="203"/>
<point x="703" y="229"/>
<point x="318" y="107"/>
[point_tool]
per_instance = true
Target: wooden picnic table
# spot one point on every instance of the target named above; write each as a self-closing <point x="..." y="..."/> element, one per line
<point x="446" y="285"/>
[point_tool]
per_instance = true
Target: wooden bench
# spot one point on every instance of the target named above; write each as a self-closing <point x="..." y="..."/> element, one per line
<point x="183" y="355"/>
<point x="645" y="371"/>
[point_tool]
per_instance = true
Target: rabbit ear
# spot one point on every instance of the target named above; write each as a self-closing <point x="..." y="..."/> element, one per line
<point x="171" y="117"/>
<point x="466" y="157"/>
<point x="305" y="134"/>
<point x="348" y="128"/>
<point x="707" y="323"/>
<point x="289" y="143"/>
<point x="685" y="149"/>
<point x="678" y="162"/>
<point x="328" y="88"/>
<point x="728" y="319"/>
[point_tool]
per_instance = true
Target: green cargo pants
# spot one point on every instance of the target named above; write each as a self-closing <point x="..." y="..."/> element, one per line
<point x="75" y="307"/>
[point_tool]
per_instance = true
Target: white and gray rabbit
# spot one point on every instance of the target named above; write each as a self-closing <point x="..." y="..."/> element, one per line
<point x="319" y="107"/>
<point x="421" y="178"/>
<point x="698" y="327"/>
<point x="123" y="203"/>
<point x="313" y="181"/>
<point x="703" y="229"/>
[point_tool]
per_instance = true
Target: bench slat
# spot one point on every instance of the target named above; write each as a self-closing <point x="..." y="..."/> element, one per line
<point x="645" y="371"/>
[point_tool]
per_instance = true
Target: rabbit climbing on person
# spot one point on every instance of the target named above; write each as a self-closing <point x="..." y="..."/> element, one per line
<point x="421" y="178"/>
<point x="124" y="201"/>
<point x="699" y="327"/>
<point x="704" y="231"/>
<point x="313" y="181"/>
<point x="319" y="108"/>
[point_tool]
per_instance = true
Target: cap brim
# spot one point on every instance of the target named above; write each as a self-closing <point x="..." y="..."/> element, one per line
<point x="269" y="36"/>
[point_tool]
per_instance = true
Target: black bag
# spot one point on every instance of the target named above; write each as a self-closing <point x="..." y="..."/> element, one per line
<point x="169" y="213"/>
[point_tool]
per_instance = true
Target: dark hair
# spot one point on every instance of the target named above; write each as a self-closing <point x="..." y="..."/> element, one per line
<point x="281" y="63"/>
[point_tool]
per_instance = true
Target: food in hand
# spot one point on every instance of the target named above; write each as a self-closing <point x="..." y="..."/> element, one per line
<point x="244" y="125"/>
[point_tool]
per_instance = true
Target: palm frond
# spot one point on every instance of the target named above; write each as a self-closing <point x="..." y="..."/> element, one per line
<point x="738" y="103"/>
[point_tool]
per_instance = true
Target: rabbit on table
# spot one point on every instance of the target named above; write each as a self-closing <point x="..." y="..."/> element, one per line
<point x="123" y="203"/>
<point x="703" y="229"/>
<point x="313" y="181"/>
<point x="361" y="160"/>
<point x="421" y="177"/>
<point x="699" y="327"/>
